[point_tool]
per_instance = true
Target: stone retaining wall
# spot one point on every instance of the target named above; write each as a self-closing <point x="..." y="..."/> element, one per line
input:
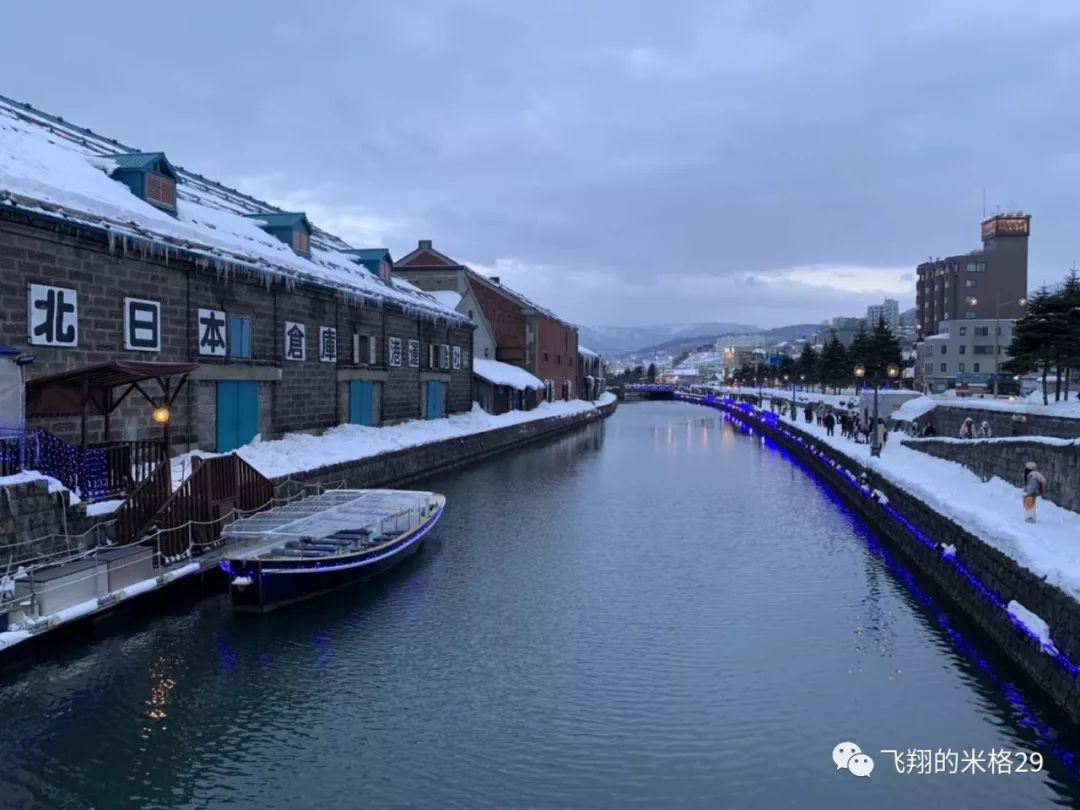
<point x="1006" y="458"/>
<point x="34" y="521"/>
<point x="402" y="466"/>
<point x="980" y="579"/>
<point x="947" y="421"/>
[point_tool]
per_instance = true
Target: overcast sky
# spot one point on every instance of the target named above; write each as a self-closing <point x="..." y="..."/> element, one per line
<point x="621" y="161"/>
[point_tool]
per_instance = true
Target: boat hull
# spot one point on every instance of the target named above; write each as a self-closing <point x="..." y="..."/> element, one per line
<point x="277" y="583"/>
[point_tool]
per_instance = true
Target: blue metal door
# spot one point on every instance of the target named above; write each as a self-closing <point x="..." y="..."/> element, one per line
<point x="362" y="402"/>
<point x="434" y="399"/>
<point x="237" y="413"/>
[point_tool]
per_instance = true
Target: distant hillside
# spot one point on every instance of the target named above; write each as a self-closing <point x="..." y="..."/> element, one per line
<point x="687" y="343"/>
<point x="625" y="339"/>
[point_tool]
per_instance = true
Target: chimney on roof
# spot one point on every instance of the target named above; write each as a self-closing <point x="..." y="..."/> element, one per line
<point x="425" y="244"/>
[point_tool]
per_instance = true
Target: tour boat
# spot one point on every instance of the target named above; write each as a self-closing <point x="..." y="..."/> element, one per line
<point x="315" y="545"/>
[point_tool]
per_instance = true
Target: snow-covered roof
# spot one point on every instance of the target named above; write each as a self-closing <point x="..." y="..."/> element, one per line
<point x="54" y="169"/>
<point x="448" y="298"/>
<point x="587" y="352"/>
<point x="505" y="374"/>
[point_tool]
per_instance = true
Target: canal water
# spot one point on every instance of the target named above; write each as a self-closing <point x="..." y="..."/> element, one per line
<point x="661" y="611"/>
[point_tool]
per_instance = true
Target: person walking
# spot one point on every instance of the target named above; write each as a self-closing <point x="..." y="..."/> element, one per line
<point x="967" y="430"/>
<point x="830" y="423"/>
<point x="1034" y="486"/>
<point x="882" y="432"/>
<point x="984" y="430"/>
<point x="808" y="413"/>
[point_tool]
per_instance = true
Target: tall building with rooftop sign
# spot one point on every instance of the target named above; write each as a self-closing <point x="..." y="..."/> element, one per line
<point x="986" y="283"/>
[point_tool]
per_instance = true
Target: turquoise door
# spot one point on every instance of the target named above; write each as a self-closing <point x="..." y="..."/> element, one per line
<point x="237" y="413"/>
<point x="362" y="402"/>
<point x="434" y="399"/>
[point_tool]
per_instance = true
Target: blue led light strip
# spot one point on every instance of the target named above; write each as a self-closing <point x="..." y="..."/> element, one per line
<point x="772" y="420"/>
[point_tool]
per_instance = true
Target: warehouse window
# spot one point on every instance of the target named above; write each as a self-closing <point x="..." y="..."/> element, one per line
<point x="239" y="337"/>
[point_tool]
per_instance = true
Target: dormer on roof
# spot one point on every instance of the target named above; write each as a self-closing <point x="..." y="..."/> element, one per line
<point x="377" y="260"/>
<point x="150" y="177"/>
<point x="292" y="228"/>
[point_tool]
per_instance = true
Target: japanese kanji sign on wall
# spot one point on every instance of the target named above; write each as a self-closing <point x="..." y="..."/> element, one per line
<point x="212" y="332"/>
<point x="393" y="353"/>
<point x="52" y="316"/>
<point x="327" y="344"/>
<point x="444" y="356"/>
<point x="295" y="341"/>
<point x="142" y="325"/>
<point x="414" y="353"/>
<point x="457" y="357"/>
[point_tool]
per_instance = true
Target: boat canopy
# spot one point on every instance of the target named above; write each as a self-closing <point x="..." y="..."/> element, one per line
<point x="337" y="510"/>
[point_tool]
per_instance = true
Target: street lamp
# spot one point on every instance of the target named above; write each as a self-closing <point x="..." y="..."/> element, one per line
<point x="794" y="412"/>
<point x="892" y="371"/>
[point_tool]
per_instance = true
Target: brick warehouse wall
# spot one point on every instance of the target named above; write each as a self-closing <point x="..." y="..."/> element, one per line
<point x="293" y="395"/>
<point x="559" y="343"/>
<point x="1005" y="458"/>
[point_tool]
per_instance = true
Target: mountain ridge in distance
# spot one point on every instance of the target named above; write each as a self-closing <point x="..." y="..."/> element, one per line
<point x="687" y="342"/>
<point x="625" y="339"/>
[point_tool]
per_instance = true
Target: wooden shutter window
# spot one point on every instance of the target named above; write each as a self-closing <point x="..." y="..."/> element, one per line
<point x="300" y="241"/>
<point x="161" y="189"/>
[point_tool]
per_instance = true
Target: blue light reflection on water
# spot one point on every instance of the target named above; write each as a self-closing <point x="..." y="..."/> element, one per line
<point x="1023" y="714"/>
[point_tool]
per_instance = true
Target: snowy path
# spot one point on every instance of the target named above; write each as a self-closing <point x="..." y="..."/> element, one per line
<point x="299" y="452"/>
<point x="990" y="510"/>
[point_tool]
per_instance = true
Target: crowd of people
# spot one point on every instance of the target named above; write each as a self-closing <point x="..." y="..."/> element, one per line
<point x="859" y="428"/>
<point x="853" y="425"/>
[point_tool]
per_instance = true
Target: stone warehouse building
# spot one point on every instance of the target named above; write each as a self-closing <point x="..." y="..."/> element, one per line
<point x="234" y="319"/>
<point x="523" y="333"/>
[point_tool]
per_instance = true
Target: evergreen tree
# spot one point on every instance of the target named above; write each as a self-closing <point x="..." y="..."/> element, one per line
<point x="860" y="347"/>
<point x="835" y="367"/>
<point x="1034" y="337"/>
<point x="883" y="349"/>
<point x="807" y="365"/>
<point x="651" y="373"/>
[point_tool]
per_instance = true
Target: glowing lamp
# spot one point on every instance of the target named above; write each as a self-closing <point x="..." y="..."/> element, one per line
<point x="161" y="415"/>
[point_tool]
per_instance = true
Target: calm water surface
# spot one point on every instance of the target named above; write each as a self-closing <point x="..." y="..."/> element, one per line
<point x="661" y="611"/>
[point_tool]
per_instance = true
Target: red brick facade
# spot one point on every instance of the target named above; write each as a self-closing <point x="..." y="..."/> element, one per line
<point x="507" y="322"/>
<point x="557" y="356"/>
<point x="525" y="335"/>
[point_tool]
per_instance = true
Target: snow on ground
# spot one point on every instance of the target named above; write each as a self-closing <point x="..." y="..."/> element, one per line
<point x="104" y="507"/>
<point x="505" y="374"/>
<point x="990" y="510"/>
<point x="914" y="409"/>
<point x="919" y="406"/>
<point x="1035" y="623"/>
<point x="299" y="452"/>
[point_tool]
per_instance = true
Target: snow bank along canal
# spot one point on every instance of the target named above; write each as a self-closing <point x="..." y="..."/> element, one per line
<point x="658" y="609"/>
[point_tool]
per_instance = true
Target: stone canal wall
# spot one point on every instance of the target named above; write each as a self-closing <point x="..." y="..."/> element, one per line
<point x="34" y="522"/>
<point x="947" y="421"/>
<point x="980" y="579"/>
<point x="402" y="466"/>
<point x="1005" y="458"/>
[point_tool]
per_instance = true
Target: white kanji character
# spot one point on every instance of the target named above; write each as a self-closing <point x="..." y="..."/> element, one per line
<point x="1000" y="761"/>
<point x="953" y="761"/>
<point x="973" y="760"/>
<point x="898" y="759"/>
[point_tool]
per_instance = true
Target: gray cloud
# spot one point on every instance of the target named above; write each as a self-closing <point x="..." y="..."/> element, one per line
<point x="622" y="161"/>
